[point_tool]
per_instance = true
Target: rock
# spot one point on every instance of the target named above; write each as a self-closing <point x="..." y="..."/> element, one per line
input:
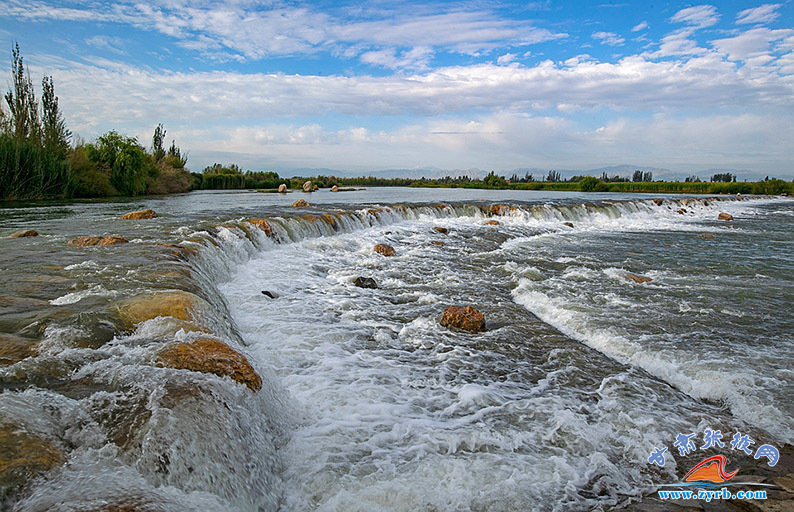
<point x="282" y="189"/>
<point x="140" y="214"/>
<point x="208" y="355"/>
<point x="307" y="187"/>
<point x="491" y="223"/>
<point x="365" y="282"/>
<point x="441" y="230"/>
<point x="681" y="211"/>
<point x="499" y="209"/>
<point x="15" y="348"/>
<point x="334" y="189"/>
<point x="87" y="241"/>
<point x="637" y="278"/>
<point x="24" y="456"/>
<point x="263" y="225"/>
<point x="706" y="235"/>
<point x="465" y="319"/>
<point x="112" y="240"/>
<point x="299" y="203"/>
<point x="725" y="216"/>
<point x="658" y="202"/>
<point x="384" y="249"/>
<point x="569" y="224"/>
<point x="178" y="304"/>
<point x="24" y="234"/>
<point x="269" y="294"/>
<point x="684" y="201"/>
<point x="437" y="242"/>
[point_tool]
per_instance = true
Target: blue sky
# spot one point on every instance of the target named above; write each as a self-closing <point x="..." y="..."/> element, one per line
<point x="453" y="85"/>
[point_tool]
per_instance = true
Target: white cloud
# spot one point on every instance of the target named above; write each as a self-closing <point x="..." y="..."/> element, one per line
<point x="640" y="26"/>
<point x="700" y="16"/>
<point x="609" y="38"/>
<point x="751" y="44"/>
<point x="112" y="44"/>
<point x="416" y="58"/>
<point x="505" y="59"/>
<point x="766" y="13"/>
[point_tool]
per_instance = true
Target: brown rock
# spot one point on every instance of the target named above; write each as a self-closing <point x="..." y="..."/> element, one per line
<point x="24" y="234"/>
<point x="684" y="201"/>
<point x="263" y="225"/>
<point x="178" y="304"/>
<point x="15" y="348"/>
<point x="491" y="223"/>
<point x="441" y="230"/>
<point x="139" y="214"/>
<point x="637" y="278"/>
<point x="725" y="216"/>
<point x="499" y="209"/>
<point x="466" y="319"/>
<point x="569" y="224"/>
<point x="658" y="202"/>
<point x="384" y="249"/>
<point x="299" y="203"/>
<point x="23" y="456"/>
<point x="334" y="189"/>
<point x="707" y="235"/>
<point x="365" y="282"/>
<point x="282" y="189"/>
<point x="112" y="240"/>
<point x="211" y="356"/>
<point x="87" y="241"/>
<point x="307" y="187"/>
<point x="681" y="211"/>
<point x="438" y="242"/>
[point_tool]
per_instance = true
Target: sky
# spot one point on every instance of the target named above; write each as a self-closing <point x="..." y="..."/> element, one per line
<point x="366" y="86"/>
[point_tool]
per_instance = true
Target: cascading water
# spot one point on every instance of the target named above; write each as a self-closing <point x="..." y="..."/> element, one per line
<point x="366" y="402"/>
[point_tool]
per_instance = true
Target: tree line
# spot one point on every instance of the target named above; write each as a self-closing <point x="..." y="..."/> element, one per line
<point x="39" y="158"/>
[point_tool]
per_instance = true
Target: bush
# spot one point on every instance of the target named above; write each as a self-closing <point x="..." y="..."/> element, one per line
<point x="89" y="179"/>
<point x="591" y="184"/>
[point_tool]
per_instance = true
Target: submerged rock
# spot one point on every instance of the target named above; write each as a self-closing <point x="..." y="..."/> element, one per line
<point x="334" y="189"/>
<point x="441" y="230"/>
<point x="139" y="214"/>
<point x="263" y="225"/>
<point x="282" y="189"/>
<point x="569" y="224"/>
<point x="437" y="242"/>
<point x="365" y="282"/>
<point x="24" y="456"/>
<point x="15" y="348"/>
<point x="491" y="223"/>
<point x="307" y="187"/>
<point x="299" y="203"/>
<point x="88" y="241"/>
<point x="465" y="319"/>
<point x="658" y="202"/>
<point x="637" y="278"/>
<point x="269" y="294"/>
<point x="208" y="355"/>
<point x="499" y="209"/>
<point x="384" y="249"/>
<point x="177" y="304"/>
<point x="24" y="233"/>
<point x="707" y="235"/>
<point x="725" y="216"/>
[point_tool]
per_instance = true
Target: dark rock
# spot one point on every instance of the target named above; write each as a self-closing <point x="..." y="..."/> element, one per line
<point x="269" y="294"/>
<point x="365" y="282"/>
<point x="569" y="224"/>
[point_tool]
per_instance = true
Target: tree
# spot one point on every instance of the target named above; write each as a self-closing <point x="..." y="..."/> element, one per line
<point x="126" y="160"/>
<point x="554" y="177"/>
<point x="494" y="181"/>
<point x="158" y="151"/>
<point x="23" y="121"/>
<point x="55" y="135"/>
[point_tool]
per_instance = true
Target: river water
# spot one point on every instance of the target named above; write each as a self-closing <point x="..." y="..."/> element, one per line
<point x="367" y="403"/>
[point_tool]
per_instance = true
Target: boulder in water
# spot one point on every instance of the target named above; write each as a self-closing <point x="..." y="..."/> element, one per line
<point x="725" y="216"/>
<point x="178" y="304"/>
<point x="707" y="235"/>
<point x="491" y="223"/>
<point x="365" y="282"/>
<point x="334" y="189"/>
<point x="139" y="214"/>
<point x="282" y="189"/>
<point x="384" y="249"/>
<point x="465" y="319"/>
<point x="269" y="294"/>
<point x="441" y="230"/>
<point x="637" y="278"/>
<point x="208" y="355"/>
<point x="14" y="349"/>
<point x="569" y="224"/>
<point x="658" y="202"/>
<point x="438" y="242"/>
<point x="307" y="187"/>
<point x="499" y="209"/>
<point x="299" y="203"/>
<point x="88" y="241"/>
<point x="263" y="225"/>
<point x="24" y="233"/>
<point x="24" y="456"/>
